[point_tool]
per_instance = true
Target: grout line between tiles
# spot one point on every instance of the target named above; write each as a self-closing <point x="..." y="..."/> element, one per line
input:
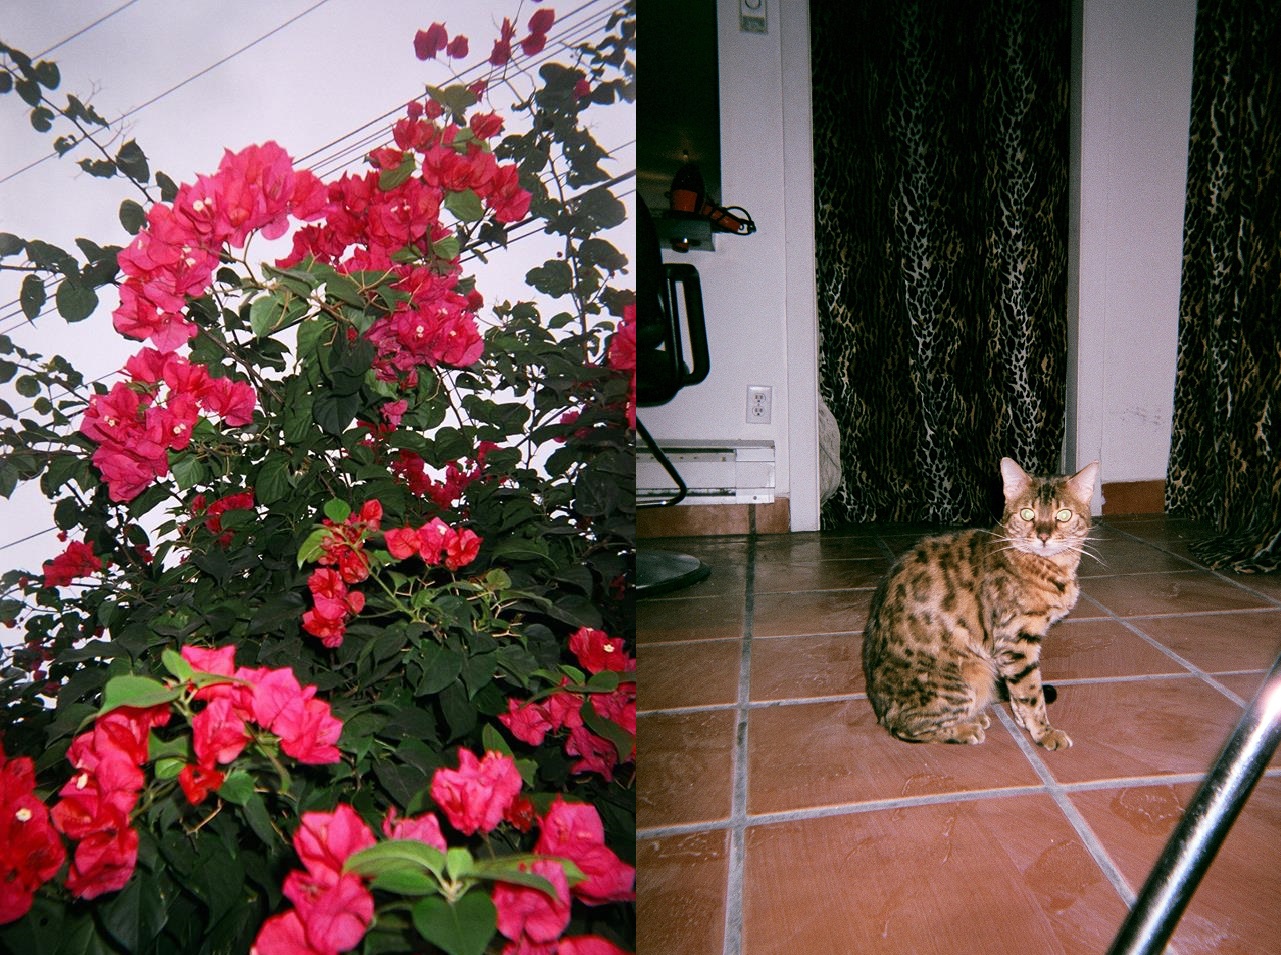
<point x="1200" y="566"/>
<point x="912" y="802"/>
<point x="1074" y="817"/>
<point x="733" y="936"/>
<point x="1181" y="660"/>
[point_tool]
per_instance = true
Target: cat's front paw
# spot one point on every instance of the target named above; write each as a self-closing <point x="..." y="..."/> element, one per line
<point x="1055" y="739"/>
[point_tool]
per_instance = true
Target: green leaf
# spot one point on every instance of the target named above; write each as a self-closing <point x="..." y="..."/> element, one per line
<point x="237" y="787"/>
<point x="622" y="741"/>
<point x="140" y="691"/>
<point x="47" y="75"/>
<point x="135" y="917"/>
<point x="456" y="99"/>
<point x="133" y="162"/>
<point x="75" y="300"/>
<point x="406" y="882"/>
<point x="337" y="510"/>
<point x="554" y="277"/>
<point x="132" y="216"/>
<point x="273" y="482"/>
<point x="396" y="855"/>
<point x="10" y="244"/>
<point x="27" y="385"/>
<point x="175" y="663"/>
<point x="334" y="412"/>
<point x="32" y="296"/>
<point x="465" y="206"/>
<point x="188" y="470"/>
<point x="42" y="119"/>
<point x="389" y="179"/>
<point x="266" y="313"/>
<point x="463" y="928"/>
<point x="313" y="546"/>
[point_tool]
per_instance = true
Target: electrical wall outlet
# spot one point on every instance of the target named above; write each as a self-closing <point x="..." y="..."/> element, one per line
<point x="760" y="404"/>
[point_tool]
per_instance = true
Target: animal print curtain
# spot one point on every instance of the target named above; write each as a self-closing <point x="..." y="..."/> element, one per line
<point x="941" y="144"/>
<point x="1225" y="455"/>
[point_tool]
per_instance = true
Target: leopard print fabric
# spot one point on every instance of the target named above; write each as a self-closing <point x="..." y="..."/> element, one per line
<point x="1225" y="449"/>
<point x="941" y="203"/>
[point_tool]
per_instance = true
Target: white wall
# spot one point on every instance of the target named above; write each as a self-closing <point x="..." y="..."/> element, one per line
<point x="753" y="284"/>
<point x="1131" y="101"/>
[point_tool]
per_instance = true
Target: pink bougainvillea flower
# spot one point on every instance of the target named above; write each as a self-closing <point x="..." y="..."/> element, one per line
<point x="597" y="651"/>
<point x="528" y="722"/>
<point x="218" y="733"/>
<point x="78" y="560"/>
<point x="458" y="47"/>
<point x="475" y="796"/>
<point x="285" y="934"/>
<point x="308" y="731"/>
<point x="335" y="909"/>
<point x="526" y="912"/>
<point x="588" y="945"/>
<point x="104" y="860"/>
<point x="401" y="542"/>
<point x="429" y="42"/>
<point x="30" y="851"/>
<point x="596" y="755"/>
<point x="542" y="20"/>
<point x="574" y="831"/>
<point x="325" y="840"/>
<point x="424" y="828"/>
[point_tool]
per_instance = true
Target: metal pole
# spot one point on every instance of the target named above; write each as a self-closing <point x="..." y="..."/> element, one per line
<point x="1199" y="834"/>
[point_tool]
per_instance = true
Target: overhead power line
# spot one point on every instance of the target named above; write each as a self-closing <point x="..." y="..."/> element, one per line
<point x="83" y="30"/>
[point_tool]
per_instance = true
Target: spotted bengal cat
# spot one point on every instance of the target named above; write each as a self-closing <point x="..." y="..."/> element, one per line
<point x="960" y="612"/>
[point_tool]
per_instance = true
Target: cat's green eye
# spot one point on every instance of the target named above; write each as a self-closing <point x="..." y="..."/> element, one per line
<point x="1063" y="516"/>
<point x="1027" y="514"/>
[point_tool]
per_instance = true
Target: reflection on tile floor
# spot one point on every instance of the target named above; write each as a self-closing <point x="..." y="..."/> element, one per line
<point x="776" y="817"/>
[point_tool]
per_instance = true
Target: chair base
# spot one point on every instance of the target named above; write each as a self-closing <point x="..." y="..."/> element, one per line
<point x="661" y="571"/>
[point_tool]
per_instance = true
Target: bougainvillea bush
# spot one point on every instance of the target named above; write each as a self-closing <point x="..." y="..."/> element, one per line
<point x="334" y="653"/>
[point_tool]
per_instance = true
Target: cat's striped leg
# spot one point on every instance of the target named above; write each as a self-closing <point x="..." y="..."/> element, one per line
<point x="1019" y="663"/>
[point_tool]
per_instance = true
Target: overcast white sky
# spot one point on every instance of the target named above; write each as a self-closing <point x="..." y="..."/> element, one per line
<point x="306" y="73"/>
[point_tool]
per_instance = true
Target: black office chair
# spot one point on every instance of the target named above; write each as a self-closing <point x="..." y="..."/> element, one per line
<point x="661" y="372"/>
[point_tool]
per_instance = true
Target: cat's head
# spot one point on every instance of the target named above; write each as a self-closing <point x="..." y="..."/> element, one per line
<point x="1047" y="515"/>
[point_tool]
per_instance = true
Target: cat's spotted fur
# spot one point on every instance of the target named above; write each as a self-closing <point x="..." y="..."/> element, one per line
<point x="960" y="612"/>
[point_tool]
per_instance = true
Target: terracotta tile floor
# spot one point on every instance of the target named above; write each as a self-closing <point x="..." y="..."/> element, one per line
<point x="776" y="817"/>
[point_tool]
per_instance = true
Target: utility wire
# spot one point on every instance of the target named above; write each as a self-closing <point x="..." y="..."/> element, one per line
<point x="177" y="86"/>
<point x="350" y="153"/>
<point x="83" y="30"/>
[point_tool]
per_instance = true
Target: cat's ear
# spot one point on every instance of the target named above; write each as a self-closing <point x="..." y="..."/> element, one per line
<point x="1081" y="484"/>
<point x="1015" y="479"/>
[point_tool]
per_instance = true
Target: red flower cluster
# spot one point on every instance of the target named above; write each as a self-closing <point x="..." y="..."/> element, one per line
<point x="343" y="549"/>
<point x="212" y="513"/>
<point x="78" y="560"/>
<point x="96" y="802"/>
<point x="476" y="796"/>
<point x="412" y="469"/>
<point x="332" y="908"/>
<point x="532" y="920"/>
<point x="531" y="721"/>
<point x="367" y="226"/>
<point x="621" y="356"/>
<point x="436" y="543"/>
<point x="30" y="851"/>
<point x="539" y="24"/>
<point x="429" y="42"/>
<point x="135" y="430"/>
<point x="176" y="254"/>
<point x="270" y="698"/>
